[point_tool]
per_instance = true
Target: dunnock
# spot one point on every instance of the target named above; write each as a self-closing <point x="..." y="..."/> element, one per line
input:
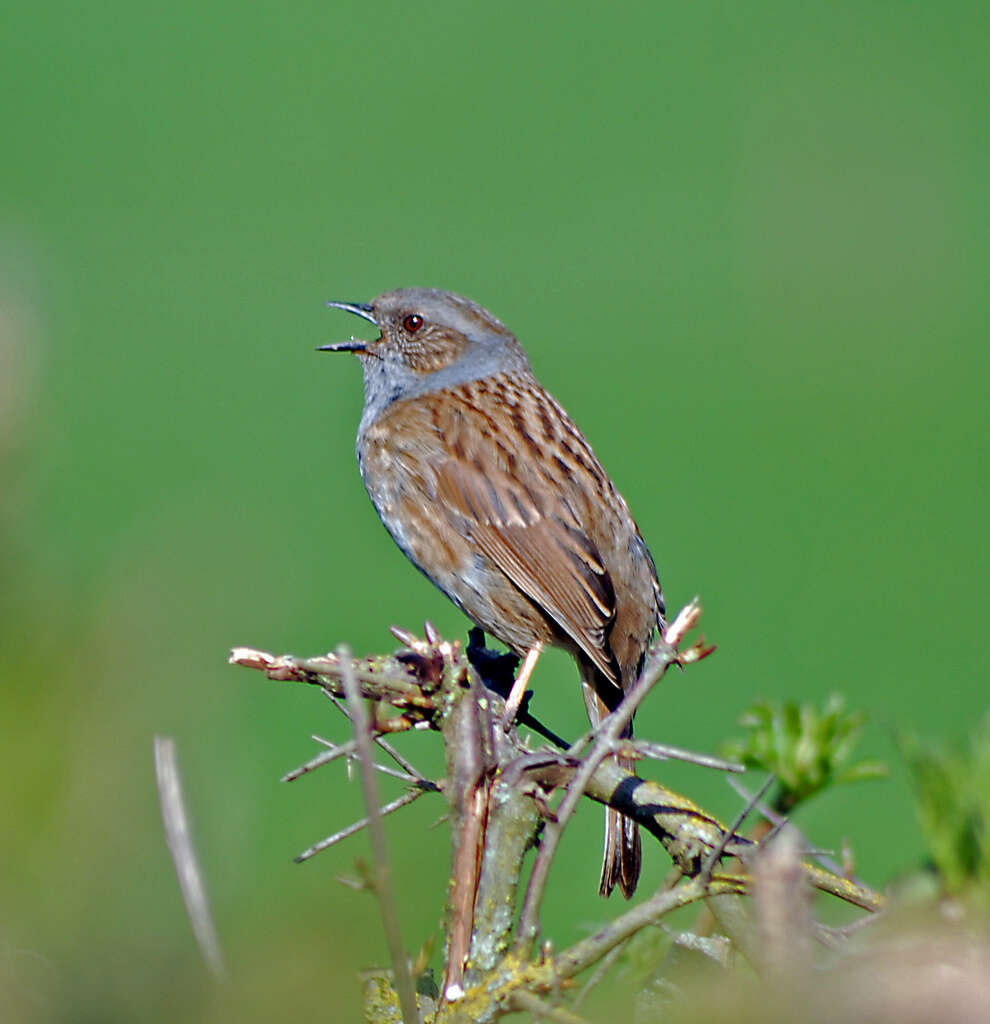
<point x="493" y="493"/>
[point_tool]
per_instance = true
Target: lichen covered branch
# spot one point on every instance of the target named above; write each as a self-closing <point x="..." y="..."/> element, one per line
<point x="502" y="794"/>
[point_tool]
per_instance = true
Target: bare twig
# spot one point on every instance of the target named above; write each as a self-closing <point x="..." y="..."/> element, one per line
<point x="400" y="689"/>
<point x="326" y="757"/>
<point x="399" y="759"/>
<point x="353" y="829"/>
<point x="379" y="850"/>
<point x="178" y="835"/>
<point x="779" y="821"/>
<point x="392" y="773"/>
<point x="598" y="974"/>
<point x="527" y="1002"/>
<point x="665" y="752"/>
<point x="834" y="937"/>
<point x="338" y="749"/>
<point x="590" y="950"/>
<point x="716" y="855"/>
<point x="608" y="736"/>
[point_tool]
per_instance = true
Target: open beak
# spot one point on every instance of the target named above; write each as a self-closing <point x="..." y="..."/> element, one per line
<point x="361" y="309"/>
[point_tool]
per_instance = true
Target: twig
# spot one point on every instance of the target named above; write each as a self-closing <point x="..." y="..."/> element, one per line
<point x="178" y="835"/>
<point x="664" y="752"/>
<point x="379" y="850"/>
<point x="344" y="833"/>
<point x="326" y="757"/>
<point x="347" y="748"/>
<point x="716" y="855"/>
<point x="839" y="936"/>
<point x="598" y="974"/>
<point x="687" y="832"/>
<point x="380" y="679"/>
<point x="399" y="759"/>
<point x="392" y="773"/>
<point x="609" y="733"/>
<point x="590" y="950"/>
<point x="779" y="821"/>
<point x="527" y="1002"/>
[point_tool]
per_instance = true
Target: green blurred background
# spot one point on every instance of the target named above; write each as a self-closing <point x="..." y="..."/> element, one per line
<point x="747" y="247"/>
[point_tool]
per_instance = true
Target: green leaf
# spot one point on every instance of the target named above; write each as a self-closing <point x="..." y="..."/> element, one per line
<point x="806" y="748"/>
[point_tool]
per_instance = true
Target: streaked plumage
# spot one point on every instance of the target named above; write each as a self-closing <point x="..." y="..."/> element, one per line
<point x="490" y="489"/>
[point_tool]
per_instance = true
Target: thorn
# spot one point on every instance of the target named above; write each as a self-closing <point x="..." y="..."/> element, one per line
<point x="352" y="883"/>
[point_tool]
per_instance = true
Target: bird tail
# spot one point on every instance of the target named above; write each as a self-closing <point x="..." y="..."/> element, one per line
<point x="623" y="856"/>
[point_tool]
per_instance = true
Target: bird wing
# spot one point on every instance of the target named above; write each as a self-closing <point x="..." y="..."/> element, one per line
<point x="543" y="551"/>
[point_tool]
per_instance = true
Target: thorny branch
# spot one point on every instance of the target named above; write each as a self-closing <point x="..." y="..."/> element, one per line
<point x="607" y="740"/>
<point x="500" y="795"/>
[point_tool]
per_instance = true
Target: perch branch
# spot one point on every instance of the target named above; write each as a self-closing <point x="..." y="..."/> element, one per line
<point x="687" y="832"/>
<point x="499" y="791"/>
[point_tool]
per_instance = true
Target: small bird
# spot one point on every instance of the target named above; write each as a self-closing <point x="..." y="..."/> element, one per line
<point x="493" y="493"/>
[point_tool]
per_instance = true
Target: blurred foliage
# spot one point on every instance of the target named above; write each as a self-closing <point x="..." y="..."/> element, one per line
<point x="951" y="784"/>
<point x="806" y="749"/>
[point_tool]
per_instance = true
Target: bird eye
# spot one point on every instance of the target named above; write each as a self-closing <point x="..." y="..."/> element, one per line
<point x="412" y="323"/>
